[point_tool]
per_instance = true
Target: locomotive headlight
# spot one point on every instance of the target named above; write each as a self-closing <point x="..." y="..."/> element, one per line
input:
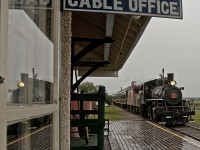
<point x="173" y="83"/>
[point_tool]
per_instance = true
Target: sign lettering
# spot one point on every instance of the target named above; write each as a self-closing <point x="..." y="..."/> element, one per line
<point x="39" y="4"/>
<point x="157" y="8"/>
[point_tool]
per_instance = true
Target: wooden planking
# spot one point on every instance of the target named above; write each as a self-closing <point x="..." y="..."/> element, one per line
<point x="139" y="135"/>
<point x="121" y="140"/>
<point x="114" y="144"/>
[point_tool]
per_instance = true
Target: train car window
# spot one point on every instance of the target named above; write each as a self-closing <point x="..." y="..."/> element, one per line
<point x="136" y="91"/>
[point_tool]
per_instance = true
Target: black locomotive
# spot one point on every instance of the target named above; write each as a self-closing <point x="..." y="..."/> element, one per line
<point x="159" y="99"/>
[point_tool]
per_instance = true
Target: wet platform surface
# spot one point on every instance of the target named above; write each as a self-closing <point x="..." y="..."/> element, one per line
<point x="92" y="142"/>
<point x="144" y="135"/>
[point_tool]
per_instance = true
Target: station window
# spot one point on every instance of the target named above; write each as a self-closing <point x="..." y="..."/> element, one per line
<point x="24" y="135"/>
<point x="30" y="52"/>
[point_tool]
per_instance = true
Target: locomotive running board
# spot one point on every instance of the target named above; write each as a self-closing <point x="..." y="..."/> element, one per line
<point x="154" y="99"/>
<point x="162" y="123"/>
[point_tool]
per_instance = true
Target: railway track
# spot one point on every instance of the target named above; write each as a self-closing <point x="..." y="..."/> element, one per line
<point x="188" y="130"/>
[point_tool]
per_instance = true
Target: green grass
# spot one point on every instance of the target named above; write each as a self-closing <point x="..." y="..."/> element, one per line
<point x="195" y="103"/>
<point x="114" y="113"/>
<point x="197" y="106"/>
<point x="196" y="117"/>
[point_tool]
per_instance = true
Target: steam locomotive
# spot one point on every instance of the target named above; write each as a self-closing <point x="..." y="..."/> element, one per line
<point x="159" y="99"/>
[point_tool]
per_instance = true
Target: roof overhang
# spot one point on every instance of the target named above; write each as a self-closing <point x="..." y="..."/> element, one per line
<point x="108" y="38"/>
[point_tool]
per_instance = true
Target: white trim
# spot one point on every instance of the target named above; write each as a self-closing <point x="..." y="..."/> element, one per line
<point x="22" y="113"/>
<point x="109" y="24"/>
<point x="56" y="32"/>
<point x="3" y="60"/>
<point x="109" y="30"/>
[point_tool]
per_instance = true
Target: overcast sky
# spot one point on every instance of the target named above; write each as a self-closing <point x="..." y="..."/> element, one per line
<point x="166" y="43"/>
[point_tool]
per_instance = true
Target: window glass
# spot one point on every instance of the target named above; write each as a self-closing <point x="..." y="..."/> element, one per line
<point x="30" y="51"/>
<point x="24" y="135"/>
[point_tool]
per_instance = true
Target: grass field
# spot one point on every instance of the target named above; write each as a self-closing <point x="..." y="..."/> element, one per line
<point x="197" y="116"/>
<point x="197" y="106"/>
<point x="114" y="113"/>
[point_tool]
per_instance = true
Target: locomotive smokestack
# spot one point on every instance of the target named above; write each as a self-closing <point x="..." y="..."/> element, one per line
<point x="163" y="72"/>
<point x="170" y="77"/>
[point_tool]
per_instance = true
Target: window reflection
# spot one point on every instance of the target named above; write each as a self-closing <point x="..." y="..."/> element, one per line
<point x="30" y="52"/>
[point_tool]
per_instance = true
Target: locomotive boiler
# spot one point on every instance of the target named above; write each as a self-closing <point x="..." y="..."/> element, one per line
<point x="159" y="99"/>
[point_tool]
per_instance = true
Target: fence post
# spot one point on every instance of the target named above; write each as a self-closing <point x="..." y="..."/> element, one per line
<point x="101" y="116"/>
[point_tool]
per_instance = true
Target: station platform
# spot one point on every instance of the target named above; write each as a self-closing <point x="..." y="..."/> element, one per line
<point x="92" y="142"/>
<point x="145" y="135"/>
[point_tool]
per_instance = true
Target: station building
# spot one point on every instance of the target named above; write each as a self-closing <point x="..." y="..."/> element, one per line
<point x="40" y="48"/>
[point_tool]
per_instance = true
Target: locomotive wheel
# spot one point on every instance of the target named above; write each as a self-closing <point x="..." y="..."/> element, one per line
<point x="137" y="111"/>
<point x="140" y="112"/>
<point x="157" y="118"/>
<point x="150" y="114"/>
